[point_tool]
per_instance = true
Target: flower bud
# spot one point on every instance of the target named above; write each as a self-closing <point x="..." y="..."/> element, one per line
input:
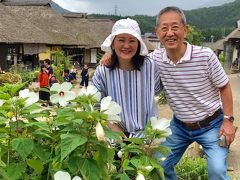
<point x="100" y="132"/>
<point x="120" y="153"/>
<point x="140" y="176"/>
<point x="149" y="168"/>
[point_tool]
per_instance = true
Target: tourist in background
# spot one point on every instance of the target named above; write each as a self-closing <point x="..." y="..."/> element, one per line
<point x="43" y="79"/>
<point x="84" y="76"/>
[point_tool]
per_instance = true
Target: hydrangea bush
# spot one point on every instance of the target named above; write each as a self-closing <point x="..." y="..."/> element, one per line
<point x="71" y="138"/>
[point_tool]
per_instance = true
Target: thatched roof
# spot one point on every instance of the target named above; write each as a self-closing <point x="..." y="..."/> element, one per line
<point x="218" y="45"/>
<point x="38" y="24"/>
<point x="149" y="45"/>
<point x="233" y="35"/>
<point x="15" y="29"/>
<point x="98" y="29"/>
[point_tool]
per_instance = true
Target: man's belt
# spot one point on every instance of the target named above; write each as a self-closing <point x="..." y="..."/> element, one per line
<point x="203" y="123"/>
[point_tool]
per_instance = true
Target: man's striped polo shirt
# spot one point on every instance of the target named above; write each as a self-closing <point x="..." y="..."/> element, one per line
<point x="191" y="85"/>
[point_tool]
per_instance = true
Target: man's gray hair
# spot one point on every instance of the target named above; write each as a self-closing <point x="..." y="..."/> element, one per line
<point x="174" y="9"/>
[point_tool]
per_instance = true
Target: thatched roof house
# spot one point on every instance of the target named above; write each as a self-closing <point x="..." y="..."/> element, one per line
<point x="234" y="35"/>
<point x="232" y="50"/>
<point x="42" y="25"/>
<point x="33" y="28"/>
<point x="29" y="26"/>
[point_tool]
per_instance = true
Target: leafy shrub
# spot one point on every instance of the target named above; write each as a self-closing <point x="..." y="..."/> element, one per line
<point x="192" y="169"/>
<point x="26" y="74"/>
<point x="162" y="99"/>
<point x="37" y="142"/>
<point x="60" y="62"/>
<point x="10" y="78"/>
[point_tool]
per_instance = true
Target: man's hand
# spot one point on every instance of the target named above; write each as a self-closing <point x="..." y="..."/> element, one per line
<point x="228" y="130"/>
<point x="106" y="59"/>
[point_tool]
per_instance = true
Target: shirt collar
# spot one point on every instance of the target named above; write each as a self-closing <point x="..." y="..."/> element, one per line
<point x="186" y="57"/>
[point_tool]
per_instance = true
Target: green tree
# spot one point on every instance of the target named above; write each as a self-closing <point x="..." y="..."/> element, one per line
<point x="194" y="36"/>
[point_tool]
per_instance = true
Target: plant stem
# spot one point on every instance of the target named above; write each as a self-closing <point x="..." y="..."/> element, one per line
<point x="88" y="137"/>
<point x="9" y="142"/>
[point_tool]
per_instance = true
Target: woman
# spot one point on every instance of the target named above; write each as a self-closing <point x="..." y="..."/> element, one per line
<point x="130" y="78"/>
<point x="43" y="79"/>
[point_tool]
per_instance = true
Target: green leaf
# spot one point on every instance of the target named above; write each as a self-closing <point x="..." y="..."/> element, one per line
<point x="87" y="167"/>
<point x="36" y="165"/>
<point x="90" y="169"/>
<point x="125" y="163"/>
<point x="23" y="146"/>
<point x="135" y="140"/>
<point x="2" y="164"/>
<point x="4" y="175"/>
<point x="41" y="125"/>
<point x="41" y="153"/>
<point x="41" y="134"/>
<point x="15" y="171"/>
<point x="124" y="176"/>
<point x="69" y="142"/>
<point x="164" y="150"/>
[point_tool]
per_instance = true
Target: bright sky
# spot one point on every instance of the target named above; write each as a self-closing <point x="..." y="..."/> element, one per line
<point x="132" y="7"/>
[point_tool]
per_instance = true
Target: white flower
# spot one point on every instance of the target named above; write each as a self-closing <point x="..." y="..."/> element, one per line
<point x="31" y="96"/>
<point x="110" y="108"/>
<point x="161" y="124"/>
<point x="60" y="175"/>
<point x="64" y="94"/>
<point x="100" y="132"/>
<point x="120" y="153"/>
<point x="140" y="176"/>
<point x="1" y="102"/>
<point x="91" y="90"/>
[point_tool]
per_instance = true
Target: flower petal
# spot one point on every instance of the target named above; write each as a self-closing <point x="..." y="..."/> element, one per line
<point x="24" y="93"/>
<point x="161" y="124"/>
<point x="56" y="87"/>
<point x="82" y="91"/>
<point x="97" y="96"/>
<point x="62" y="101"/>
<point x="105" y="103"/>
<point x="60" y="175"/>
<point x="100" y="132"/>
<point x="1" y="102"/>
<point x="69" y="95"/>
<point x="91" y="90"/>
<point x="66" y="86"/>
<point x="113" y="117"/>
<point x="76" y="178"/>
<point x="140" y="177"/>
<point x="33" y="97"/>
<point x="114" y="108"/>
<point x="54" y="98"/>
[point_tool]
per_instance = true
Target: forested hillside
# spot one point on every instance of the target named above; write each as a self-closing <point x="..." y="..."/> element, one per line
<point x="216" y="21"/>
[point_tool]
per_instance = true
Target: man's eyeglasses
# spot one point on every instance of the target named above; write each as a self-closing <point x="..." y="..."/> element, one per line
<point x="174" y="28"/>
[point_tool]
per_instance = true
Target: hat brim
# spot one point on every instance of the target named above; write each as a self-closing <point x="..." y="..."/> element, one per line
<point x="106" y="45"/>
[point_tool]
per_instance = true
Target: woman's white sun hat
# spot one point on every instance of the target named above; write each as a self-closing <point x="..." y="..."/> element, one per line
<point x="122" y="26"/>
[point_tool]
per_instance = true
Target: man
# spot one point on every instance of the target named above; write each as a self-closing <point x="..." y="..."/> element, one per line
<point x="193" y="79"/>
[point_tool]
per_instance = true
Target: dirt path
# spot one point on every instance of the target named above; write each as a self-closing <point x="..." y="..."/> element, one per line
<point x="234" y="152"/>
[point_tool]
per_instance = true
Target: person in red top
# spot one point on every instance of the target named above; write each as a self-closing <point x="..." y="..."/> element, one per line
<point x="43" y="79"/>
